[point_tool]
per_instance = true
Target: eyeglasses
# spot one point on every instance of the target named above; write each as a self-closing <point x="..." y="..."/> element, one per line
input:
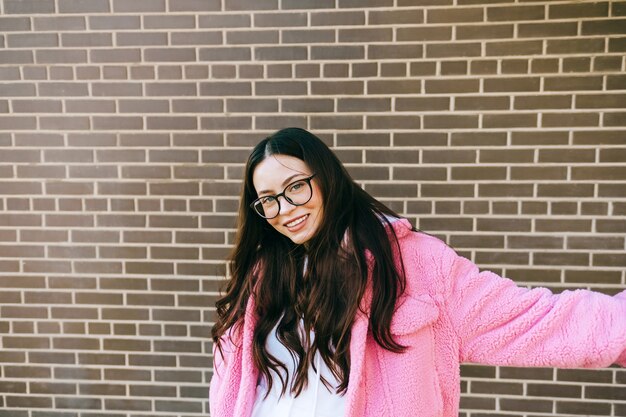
<point x="297" y="193"/>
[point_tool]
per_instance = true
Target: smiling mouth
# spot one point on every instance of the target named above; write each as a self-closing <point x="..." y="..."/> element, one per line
<point x="297" y="221"/>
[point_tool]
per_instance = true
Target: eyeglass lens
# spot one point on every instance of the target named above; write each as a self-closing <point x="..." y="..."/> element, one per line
<point x="298" y="193"/>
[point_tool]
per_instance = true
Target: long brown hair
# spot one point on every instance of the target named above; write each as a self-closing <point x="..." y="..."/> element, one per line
<point x="327" y="292"/>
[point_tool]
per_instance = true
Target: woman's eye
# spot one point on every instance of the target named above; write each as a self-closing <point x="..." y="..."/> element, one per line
<point x="267" y="200"/>
<point x="296" y="186"/>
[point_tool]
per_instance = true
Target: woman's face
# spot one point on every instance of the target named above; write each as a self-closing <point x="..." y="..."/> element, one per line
<point x="270" y="177"/>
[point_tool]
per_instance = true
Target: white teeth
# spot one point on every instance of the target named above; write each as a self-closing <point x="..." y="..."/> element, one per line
<point x="296" y="222"/>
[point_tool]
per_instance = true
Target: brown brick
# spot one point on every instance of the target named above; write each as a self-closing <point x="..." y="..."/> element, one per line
<point x="455" y="15"/>
<point x="337" y="87"/>
<point x="511" y="404"/>
<point x="614" y="119"/>
<point x="590" y="242"/>
<point x="32" y="40"/>
<point x="20" y="7"/>
<point x="446" y="190"/>
<point x="607" y="63"/>
<point x="17" y="89"/>
<point x="394" y="87"/>
<point x="450" y="122"/>
<point x="90" y="106"/>
<point x="453" y="68"/>
<point x="505" y="190"/>
<point x="514" y="66"/>
<point x="169" y="54"/>
<point x="17" y="123"/>
<point x="510" y="120"/>
<point x="115" y="55"/>
<point x="76" y="373"/>
<point x="197" y="106"/>
<point x="15" y="24"/>
<point x="580" y="10"/>
<point x="392" y="122"/>
<point x="566" y="155"/>
<point x="74" y="342"/>
<point x="364" y="3"/>
<point x="507" y="156"/>
<point x="10" y="74"/>
<point x="514" y="48"/>
<point x="125" y="314"/>
<point x="220" y="89"/>
<point x="16" y="57"/>
<point x="120" y="6"/>
<point x="605" y="392"/>
<point x="575" y="46"/>
<point x="169" y="21"/>
<point x="172" y="123"/>
<point x="600" y="101"/>
<point x="52" y="388"/>
<point x="83" y="6"/>
<point x="444" y="50"/>
<point x="539" y="138"/>
<point x="543" y="102"/>
<point x="478" y="173"/>
<point x="194" y="5"/>
<point x="224" y="20"/>
<point x="445" y="223"/>
<point x="506" y="388"/>
<point x="570" y="119"/>
<point x="78" y="402"/>
<point x="407" y="103"/>
<point x="117" y="122"/>
<point x="423" y="68"/>
<point x="116" y="89"/>
<point x="565" y="190"/>
<point x="617" y="45"/>
<point x="514" y="13"/>
<point x="338" y="52"/>
<point x="578" y="407"/>
<point x="503" y="224"/>
<point x="512" y="84"/>
<point x="572" y="83"/>
<point x="451" y="86"/>
<point x="583" y="375"/>
<point x="24" y="281"/>
<point x="480" y="103"/>
<point x="224" y="54"/>
<point x="339" y="122"/>
<point x="364" y="35"/>
<point x="599" y="173"/>
<point x="539" y="173"/>
<point x="481" y="32"/>
<point x="435" y="33"/>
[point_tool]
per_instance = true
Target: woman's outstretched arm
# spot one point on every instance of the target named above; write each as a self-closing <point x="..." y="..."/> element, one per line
<point x="499" y="323"/>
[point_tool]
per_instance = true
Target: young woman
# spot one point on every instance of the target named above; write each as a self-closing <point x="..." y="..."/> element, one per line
<point x="336" y="306"/>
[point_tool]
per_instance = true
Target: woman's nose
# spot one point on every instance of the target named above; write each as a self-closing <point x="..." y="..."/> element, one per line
<point x="285" y="206"/>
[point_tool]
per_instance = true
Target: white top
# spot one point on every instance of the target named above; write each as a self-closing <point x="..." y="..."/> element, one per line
<point x="314" y="401"/>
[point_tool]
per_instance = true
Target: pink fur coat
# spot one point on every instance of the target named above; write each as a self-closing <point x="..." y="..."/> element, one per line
<point x="451" y="313"/>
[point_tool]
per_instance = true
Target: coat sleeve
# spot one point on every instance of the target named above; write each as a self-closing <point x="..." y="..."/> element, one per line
<point x="499" y="323"/>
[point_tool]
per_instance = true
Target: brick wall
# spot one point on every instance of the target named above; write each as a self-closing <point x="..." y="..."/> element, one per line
<point x="497" y="125"/>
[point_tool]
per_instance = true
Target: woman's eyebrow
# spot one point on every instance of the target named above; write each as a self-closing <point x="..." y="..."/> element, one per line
<point x="287" y="181"/>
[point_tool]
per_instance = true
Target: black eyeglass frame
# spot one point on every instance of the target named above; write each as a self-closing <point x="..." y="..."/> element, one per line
<point x="307" y="180"/>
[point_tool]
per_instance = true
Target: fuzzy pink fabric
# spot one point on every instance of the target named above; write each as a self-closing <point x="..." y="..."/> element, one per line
<point x="451" y="313"/>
